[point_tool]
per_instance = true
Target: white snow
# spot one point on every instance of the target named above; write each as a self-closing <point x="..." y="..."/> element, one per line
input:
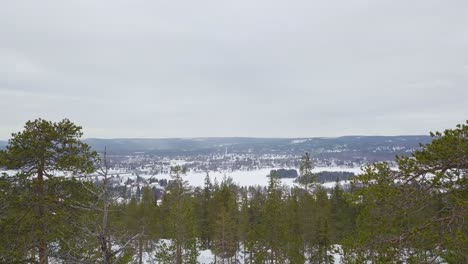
<point x="205" y="257"/>
<point x="256" y="177"/>
<point x="297" y="141"/>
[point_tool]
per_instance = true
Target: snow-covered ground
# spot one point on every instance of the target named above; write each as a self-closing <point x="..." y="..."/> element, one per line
<point x="248" y="178"/>
<point x="256" y="177"/>
<point x="207" y="256"/>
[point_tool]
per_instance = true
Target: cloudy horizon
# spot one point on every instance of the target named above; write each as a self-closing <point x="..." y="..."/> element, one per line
<point x="169" y="69"/>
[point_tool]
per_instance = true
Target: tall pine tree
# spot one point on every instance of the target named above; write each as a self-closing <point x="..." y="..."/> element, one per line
<point x="37" y="152"/>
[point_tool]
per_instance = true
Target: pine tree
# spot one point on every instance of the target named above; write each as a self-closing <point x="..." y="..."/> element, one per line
<point x="307" y="216"/>
<point x="145" y="219"/>
<point x="274" y="222"/>
<point x="295" y="234"/>
<point x="206" y="211"/>
<point x="225" y="229"/>
<point x="342" y="214"/>
<point x="44" y="147"/>
<point x="244" y="222"/>
<point x="180" y="218"/>
<point x="252" y="228"/>
<point x="421" y="206"/>
<point x="321" y="243"/>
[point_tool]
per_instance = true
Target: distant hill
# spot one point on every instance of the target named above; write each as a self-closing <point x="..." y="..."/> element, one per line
<point x="347" y="147"/>
<point x="363" y="146"/>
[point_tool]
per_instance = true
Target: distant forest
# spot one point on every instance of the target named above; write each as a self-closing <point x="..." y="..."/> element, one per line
<point x="322" y="176"/>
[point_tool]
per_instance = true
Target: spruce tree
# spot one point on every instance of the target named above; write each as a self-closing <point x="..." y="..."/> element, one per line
<point x="307" y="178"/>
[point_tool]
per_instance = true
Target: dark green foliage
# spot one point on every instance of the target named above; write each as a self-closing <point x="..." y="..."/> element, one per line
<point x="205" y="213"/>
<point x="342" y="214"/>
<point x="284" y="173"/>
<point x="329" y="176"/>
<point x="295" y="238"/>
<point x="45" y="146"/>
<point x="416" y="214"/>
<point x="274" y="221"/>
<point x="307" y="179"/>
<point x="225" y="230"/>
<point x="41" y="206"/>
<point x="179" y="218"/>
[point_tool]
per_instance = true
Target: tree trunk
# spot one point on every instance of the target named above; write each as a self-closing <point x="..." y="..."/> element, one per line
<point x="179" y="253"/>
<point x="42" y="247"/>
<point x="243" y="253"/>
<point x="105" y="244"/>
<point x="105" y="249"/>
<point x="140" y="250"/>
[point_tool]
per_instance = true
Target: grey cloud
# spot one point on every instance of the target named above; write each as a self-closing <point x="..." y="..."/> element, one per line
<point x="235" y="68"/>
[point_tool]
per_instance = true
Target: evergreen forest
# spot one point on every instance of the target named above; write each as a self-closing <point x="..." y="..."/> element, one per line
<point x="51" y="211"/>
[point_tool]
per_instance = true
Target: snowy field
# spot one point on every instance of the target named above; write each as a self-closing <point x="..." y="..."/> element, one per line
<point x="256" y="177"/>
<point x="251" y="178"/>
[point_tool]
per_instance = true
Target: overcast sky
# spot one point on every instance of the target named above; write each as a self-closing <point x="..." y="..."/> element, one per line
<point x="260" y="68"/>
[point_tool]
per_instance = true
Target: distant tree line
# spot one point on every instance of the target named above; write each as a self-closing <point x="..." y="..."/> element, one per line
<point x="330" y="176"/>
<point x="284" y="173"/>
<point x="322" y="176"/>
